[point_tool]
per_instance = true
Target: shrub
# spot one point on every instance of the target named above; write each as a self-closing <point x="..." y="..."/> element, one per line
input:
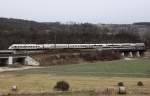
<point x="140" y="83"/>
<point x="120" y="84"/>
<point x="104" y="55"/>
<point x="62" y="86"/>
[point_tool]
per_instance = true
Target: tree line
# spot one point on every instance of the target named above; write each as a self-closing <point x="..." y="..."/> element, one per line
<point x="31" y="32"/>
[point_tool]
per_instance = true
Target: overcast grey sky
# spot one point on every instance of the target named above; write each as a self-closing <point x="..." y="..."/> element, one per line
<point x="94" y="11"/>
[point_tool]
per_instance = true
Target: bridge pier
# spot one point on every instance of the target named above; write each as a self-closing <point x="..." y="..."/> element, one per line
<point x="138" y="54"/>
<point x="10" y="60"/>
<point x="130" y="54"/>
<point x="122" y="54"/>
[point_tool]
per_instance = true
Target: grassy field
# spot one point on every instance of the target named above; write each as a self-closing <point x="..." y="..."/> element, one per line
<point x="82" y="77"/>
<point x="135" y="67"/>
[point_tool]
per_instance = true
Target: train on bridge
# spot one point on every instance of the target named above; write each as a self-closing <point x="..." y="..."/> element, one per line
<point x="117" y="46"/>
<point x="20" y="52"/>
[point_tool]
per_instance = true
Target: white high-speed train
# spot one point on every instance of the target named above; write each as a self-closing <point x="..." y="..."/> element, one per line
<point x="77" y="46"/>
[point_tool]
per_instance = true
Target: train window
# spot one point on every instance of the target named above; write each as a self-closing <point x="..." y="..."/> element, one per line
<point x="125" y="45"/>
<point x="113" y="45"/>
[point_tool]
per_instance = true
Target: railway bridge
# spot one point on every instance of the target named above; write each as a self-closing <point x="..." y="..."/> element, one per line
<point x="128" y="51"/>
<point x="10" y="57"/>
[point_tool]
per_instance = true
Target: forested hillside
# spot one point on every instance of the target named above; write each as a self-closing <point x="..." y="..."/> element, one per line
<point x="23" y="31"/>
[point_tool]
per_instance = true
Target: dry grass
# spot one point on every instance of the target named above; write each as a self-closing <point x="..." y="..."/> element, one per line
<point x="45" y="83"/>
<point x="82" y="78"/>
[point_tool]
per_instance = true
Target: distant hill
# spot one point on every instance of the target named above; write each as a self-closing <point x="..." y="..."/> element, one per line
<point x="142" y="23"/>
<point x="16" y="24"/>
<point x="25" y="31"/>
